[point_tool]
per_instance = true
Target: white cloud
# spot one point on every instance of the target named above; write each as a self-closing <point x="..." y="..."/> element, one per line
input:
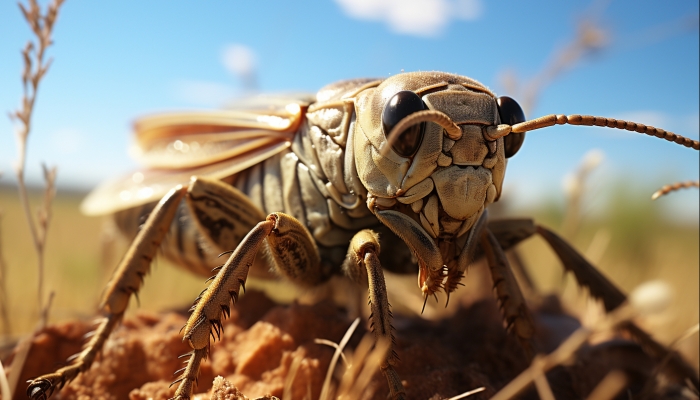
<point x="413" y="17"/>
<point x="467" y="9"/>
<point x="239" y="60"/>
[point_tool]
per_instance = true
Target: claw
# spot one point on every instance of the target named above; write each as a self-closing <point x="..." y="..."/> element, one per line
<point x="38" y="389"/>
<point x="425" y="301"/>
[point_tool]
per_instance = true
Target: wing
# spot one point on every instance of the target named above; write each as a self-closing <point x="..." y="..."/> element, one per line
<point x="215" y="144"/>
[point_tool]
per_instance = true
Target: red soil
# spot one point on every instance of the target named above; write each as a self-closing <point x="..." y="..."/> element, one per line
<point x="439" y="359"/>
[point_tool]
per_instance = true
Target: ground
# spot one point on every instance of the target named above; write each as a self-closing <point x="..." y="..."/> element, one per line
<point x="261" y="340"/>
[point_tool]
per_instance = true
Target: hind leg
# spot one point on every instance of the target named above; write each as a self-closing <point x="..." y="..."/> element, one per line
<point x="127" y="280"/>
<point x="507" y="233"/>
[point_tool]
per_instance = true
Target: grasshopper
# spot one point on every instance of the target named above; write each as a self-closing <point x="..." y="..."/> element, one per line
<point x="316" y="184"/>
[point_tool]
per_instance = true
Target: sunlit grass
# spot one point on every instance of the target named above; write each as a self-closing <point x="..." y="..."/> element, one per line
<point x="74" y="270"/>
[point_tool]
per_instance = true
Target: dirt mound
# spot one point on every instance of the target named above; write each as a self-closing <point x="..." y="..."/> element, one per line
<point x="439" y="359"/>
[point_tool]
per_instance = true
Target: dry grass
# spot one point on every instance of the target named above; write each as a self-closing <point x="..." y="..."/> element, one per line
<point x="73" y="265"/>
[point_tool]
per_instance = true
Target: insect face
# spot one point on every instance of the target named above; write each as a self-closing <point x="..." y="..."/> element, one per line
<point x="421" y="150"/>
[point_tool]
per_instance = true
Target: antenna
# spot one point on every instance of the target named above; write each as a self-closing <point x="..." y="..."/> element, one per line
<point x="494" y="132"/>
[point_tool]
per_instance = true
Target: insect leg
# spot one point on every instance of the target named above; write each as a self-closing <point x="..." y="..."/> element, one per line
<point x="601" y="288"/>
<point x="223" y="214"/>
<point x="214" y="301"/>
<point x="512" y="302"/>
<point x="127" y="280"/>
<point x="508" y="232"/>
<point x="293" y="253"/>
<point x="362" y="266"/>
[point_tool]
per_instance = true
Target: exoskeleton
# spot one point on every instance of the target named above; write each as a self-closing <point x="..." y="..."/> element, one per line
<point x="408" y="164"/>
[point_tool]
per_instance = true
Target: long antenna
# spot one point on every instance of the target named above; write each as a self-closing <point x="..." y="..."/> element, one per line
<point x="494" y="132"/>
<point x="673" y="187"/>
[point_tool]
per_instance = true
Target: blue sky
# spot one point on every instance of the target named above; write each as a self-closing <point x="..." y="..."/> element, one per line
<point x="116" y="60"/>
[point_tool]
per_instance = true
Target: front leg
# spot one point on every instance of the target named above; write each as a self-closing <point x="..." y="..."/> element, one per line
<point x="127" y="280"/>
<point x="515" y="312"/>
<point x="214" y="302"/>
<point x="294" y="255"/>
<point x="362" y="266"/>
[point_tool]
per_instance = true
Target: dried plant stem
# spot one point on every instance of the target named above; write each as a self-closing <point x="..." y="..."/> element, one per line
<point x="609" y="387"/>
<point x="325" y="391"/>
<point x="467" y="394"/>
<point x="4" y="386"/>
<point x="542" y="364"/>
<point x="35" y="67"/>
<point x="289" y="380"/>
<point x="6" y="327"/>
<point x="590" y="38"/>
<point x="575" y="185"/>
<point x="693" y="330"/>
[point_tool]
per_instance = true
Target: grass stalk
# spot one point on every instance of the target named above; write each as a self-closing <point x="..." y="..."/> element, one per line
<point x="35" y="68"/>
<point x="4" y="298"/>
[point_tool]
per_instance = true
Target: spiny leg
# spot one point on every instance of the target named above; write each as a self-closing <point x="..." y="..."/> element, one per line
<point x="512" y="302"/>
<point x="508" y="233"/>
<point x="586" y="274"/>
<point x="294" y="254"/>
<point x="598" y="285"/>
<point x="44" y="386"/>
<point x="601" y="288"/>
<point x="214" y="302"/>
<point x="127" y="280"/>
<point x="362" y="266"/>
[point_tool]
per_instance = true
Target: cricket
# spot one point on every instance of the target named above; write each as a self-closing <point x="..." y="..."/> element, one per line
<point x="366" y="176"/>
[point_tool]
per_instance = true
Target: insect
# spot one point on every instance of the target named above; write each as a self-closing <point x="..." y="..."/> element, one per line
<point x="320" y="184"/>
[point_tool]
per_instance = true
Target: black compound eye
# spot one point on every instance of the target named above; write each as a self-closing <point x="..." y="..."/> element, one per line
<point x="510" y="112"/>
<point x="400" y="106"/>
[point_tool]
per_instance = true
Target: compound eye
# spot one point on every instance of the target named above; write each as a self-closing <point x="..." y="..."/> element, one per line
<point x="510" y="112"/>
<point x="401" y="105"/>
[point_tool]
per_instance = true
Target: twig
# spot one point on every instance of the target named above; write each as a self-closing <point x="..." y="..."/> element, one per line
<point x="35" y="67"/>
<point x="467" y="394"/>
<point x="289" y="380"/>
<point x="4" y="386"/>
<point x="574" y="188"/>
<point x="325" y="391"/>
<point x="333" y="345"/>
<point x="647" y="299"/>
<point x="609" y="387"/>
<point x="667" y="358"/>
<point x="563" y="353"/>
<point x="6" y="328"/>
<point x="34" y="70"/>
<point x="590" y="38"/>
<point x="364" y="363"/>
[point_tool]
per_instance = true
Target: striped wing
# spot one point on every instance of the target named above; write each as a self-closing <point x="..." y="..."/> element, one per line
<point x="216" y="144"/>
